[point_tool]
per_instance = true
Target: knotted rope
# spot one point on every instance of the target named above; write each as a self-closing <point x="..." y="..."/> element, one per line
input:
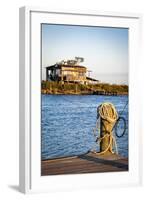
<point x="108" y="116"/>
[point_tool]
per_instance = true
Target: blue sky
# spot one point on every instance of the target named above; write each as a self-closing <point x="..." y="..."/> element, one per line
<point x="104" y="49"/>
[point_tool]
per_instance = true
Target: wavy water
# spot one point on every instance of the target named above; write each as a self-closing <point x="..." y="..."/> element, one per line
<point x="67" y="124"/>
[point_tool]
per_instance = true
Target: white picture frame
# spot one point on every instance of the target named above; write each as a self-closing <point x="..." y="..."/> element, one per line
<point x="30" y="156"/>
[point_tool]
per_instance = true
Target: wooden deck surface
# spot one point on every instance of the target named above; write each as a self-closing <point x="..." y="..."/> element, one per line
<point x="86" y="163"/>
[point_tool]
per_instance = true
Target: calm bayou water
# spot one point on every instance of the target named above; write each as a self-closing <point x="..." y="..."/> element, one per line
<point x="68" y="121"/>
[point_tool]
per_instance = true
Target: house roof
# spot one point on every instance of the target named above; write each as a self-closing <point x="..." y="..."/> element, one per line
<point x="69" y="66"/>
<point x="91" y="79"/>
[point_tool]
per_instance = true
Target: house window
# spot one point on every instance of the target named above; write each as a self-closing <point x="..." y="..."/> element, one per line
<point x="81" y="73"/>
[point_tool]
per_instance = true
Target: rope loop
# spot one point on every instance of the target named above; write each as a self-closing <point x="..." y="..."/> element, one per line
<point x="107" y="111"/>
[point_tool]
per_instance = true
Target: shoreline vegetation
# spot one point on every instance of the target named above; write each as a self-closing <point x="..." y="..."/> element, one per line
<point x="48" y="87"/>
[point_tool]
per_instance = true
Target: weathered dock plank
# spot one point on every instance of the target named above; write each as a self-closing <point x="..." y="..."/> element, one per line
<point x="87" y="163"/>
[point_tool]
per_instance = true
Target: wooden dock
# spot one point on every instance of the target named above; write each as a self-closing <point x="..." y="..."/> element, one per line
<point x="86" y="163"/>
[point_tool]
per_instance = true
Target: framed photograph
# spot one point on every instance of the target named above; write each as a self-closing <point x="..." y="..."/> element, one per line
<point x="79" y="117"/>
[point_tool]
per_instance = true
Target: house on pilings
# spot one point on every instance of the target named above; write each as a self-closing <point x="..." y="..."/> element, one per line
<point x="69" y="71"/>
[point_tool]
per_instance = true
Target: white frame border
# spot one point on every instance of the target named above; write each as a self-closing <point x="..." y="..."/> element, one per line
<point x="25" y="95"/>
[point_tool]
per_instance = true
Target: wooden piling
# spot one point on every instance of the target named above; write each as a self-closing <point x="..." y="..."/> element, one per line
<point x="105" y="132"/>
<point x="108" y="117"/>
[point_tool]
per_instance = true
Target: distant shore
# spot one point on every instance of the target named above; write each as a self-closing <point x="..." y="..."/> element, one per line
<point x="48" y="87"/>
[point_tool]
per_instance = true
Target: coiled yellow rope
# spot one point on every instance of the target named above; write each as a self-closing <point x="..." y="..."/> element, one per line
<point x="109" y="116"/>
